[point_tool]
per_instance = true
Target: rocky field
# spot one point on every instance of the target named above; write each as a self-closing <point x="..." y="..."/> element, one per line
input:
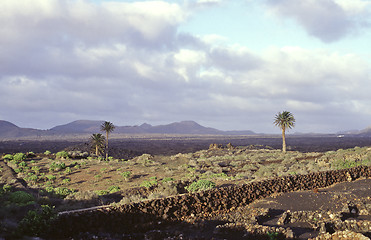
<point x="37" y="185"/>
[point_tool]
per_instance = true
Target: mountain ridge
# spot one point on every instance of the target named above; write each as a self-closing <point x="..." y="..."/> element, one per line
<point x="10" y="130"/>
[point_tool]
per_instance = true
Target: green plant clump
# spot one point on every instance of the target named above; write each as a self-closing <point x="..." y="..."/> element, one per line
<point x="8" y="157"/>
<point x="343" y="164"/>
<point x="61" y="192"/>
<point x="21" y="198"/>
<point x="200" y="185"/>
<point x="126" y="174"/>
<point x="151" y="183"/>
<point x="19" y="157"/>
<point x="167" y="179"/>
<point x="37" y="223"/>
<point x="7" y="188"/>
<point x="113" y="189"/>
<point x="62" y="155"/>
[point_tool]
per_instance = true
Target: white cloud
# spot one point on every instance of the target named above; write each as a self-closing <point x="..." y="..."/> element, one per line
<point x="328" y="20"/>
<point x="354" y="6"/>
<point x="69" y="60"/>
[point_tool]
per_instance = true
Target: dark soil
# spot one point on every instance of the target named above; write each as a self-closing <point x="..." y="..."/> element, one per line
<point x="169" y="145"/>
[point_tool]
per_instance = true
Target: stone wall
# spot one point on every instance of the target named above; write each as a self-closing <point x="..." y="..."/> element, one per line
<point x="140" y="216"/>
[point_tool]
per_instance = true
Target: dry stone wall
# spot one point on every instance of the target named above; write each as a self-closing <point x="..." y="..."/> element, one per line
<point x="142" y="215"/>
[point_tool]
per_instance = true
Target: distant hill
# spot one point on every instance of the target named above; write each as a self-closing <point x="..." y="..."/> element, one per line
<point x="365" y="132"/>
<point x="184" y="127"/>
<point x="9" y="130"/>
<point x="79" y="126"/>
<point x="361" y="133"/>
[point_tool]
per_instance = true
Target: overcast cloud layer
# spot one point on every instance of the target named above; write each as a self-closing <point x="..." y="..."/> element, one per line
<point x="129" y="62"/>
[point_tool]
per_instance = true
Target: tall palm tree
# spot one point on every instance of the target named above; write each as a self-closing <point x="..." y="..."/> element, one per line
<point x="107" y="127"/>
<point x="97" y="140"/>
<point x="284" y="120"/>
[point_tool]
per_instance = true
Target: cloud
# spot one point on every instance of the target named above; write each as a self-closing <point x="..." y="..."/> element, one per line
<point x="67" y="60"/>
<point x="328" y="20"/>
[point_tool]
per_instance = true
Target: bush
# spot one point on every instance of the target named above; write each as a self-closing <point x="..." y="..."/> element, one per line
<point x="31" y="178"/>
<point x="66" y="180"/>
<point x="101" y="192"/>
<point x="200" y="185"/>
<point x="8" y="157"/>
<point x="19" y="157"/>
<point x="62" y="155"/>
<point x="36" y="169"/>
<point x="56" y="166"/>
<point x="36" y="223"/>
<point x="342" y="164"/>
<point x="68" y="170"/>
<point x="7" y="188"/>
<point x="47" y="152"/>
<point x="149" y="184"/>
<point x="167" y="179"/>
<point x="21" y="198"/>
<point x="61" y="192"/>
<point x="113" y="189"/>
<point x="51" y="177"/>
<point x="126" y="174"/>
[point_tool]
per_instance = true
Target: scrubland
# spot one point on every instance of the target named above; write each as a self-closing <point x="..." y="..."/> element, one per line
<point x="33" y="186"/>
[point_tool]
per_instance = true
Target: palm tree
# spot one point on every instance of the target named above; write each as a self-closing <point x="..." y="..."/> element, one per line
<point x="107" y="127"/>
<point x="284" y="120"/>
<point x="97" y="140"/>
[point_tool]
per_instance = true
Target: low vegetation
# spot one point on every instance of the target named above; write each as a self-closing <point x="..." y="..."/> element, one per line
<point x="72" y="180"/>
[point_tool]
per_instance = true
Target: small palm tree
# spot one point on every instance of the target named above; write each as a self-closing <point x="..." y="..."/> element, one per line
<point x="284" y="120"/>
<point x="107" y="127"/>
<point x="97" y="140"/>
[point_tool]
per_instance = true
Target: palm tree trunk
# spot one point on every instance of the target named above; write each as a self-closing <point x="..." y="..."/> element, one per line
<point x="283" y="140"/>
<point x="107" y="146"/>
<point x="96" y="149"/>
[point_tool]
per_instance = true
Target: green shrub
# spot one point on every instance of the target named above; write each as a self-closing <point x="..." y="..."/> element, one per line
<point x="149" y="184"/>
<point x="7" y="188"/>
<point x="36" y="223"/>
<point x="55" y="166"/>
<point x="167" y="179"/>
<point x="113" y="189"/>
<point x="21" y="198"/>
<point x="22" y="164"/>
<point x="51" y="177"/>
<point x="200" y="185"/>
<point x="62" y="191"/>
<point x="101" y="192"/>
<point x="19" y="157"/>
<point x="126" y="174"/>
<point x="68" y="170"/>
<point x="62" y="155"/>
<point x="8" y="157"/>
<point x="31" y="178"/>
<point x="47" y="152"/>
<point x="97" y="176"/>
<point x="36" y="169"/>
<point x="342" y="164"/>
<point x="66" y="180"/>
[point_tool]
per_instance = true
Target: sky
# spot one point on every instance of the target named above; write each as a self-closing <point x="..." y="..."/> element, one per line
<point x="230" y="65"/>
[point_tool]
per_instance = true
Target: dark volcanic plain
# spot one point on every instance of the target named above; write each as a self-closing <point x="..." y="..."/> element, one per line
<point x="128" y="147"/>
